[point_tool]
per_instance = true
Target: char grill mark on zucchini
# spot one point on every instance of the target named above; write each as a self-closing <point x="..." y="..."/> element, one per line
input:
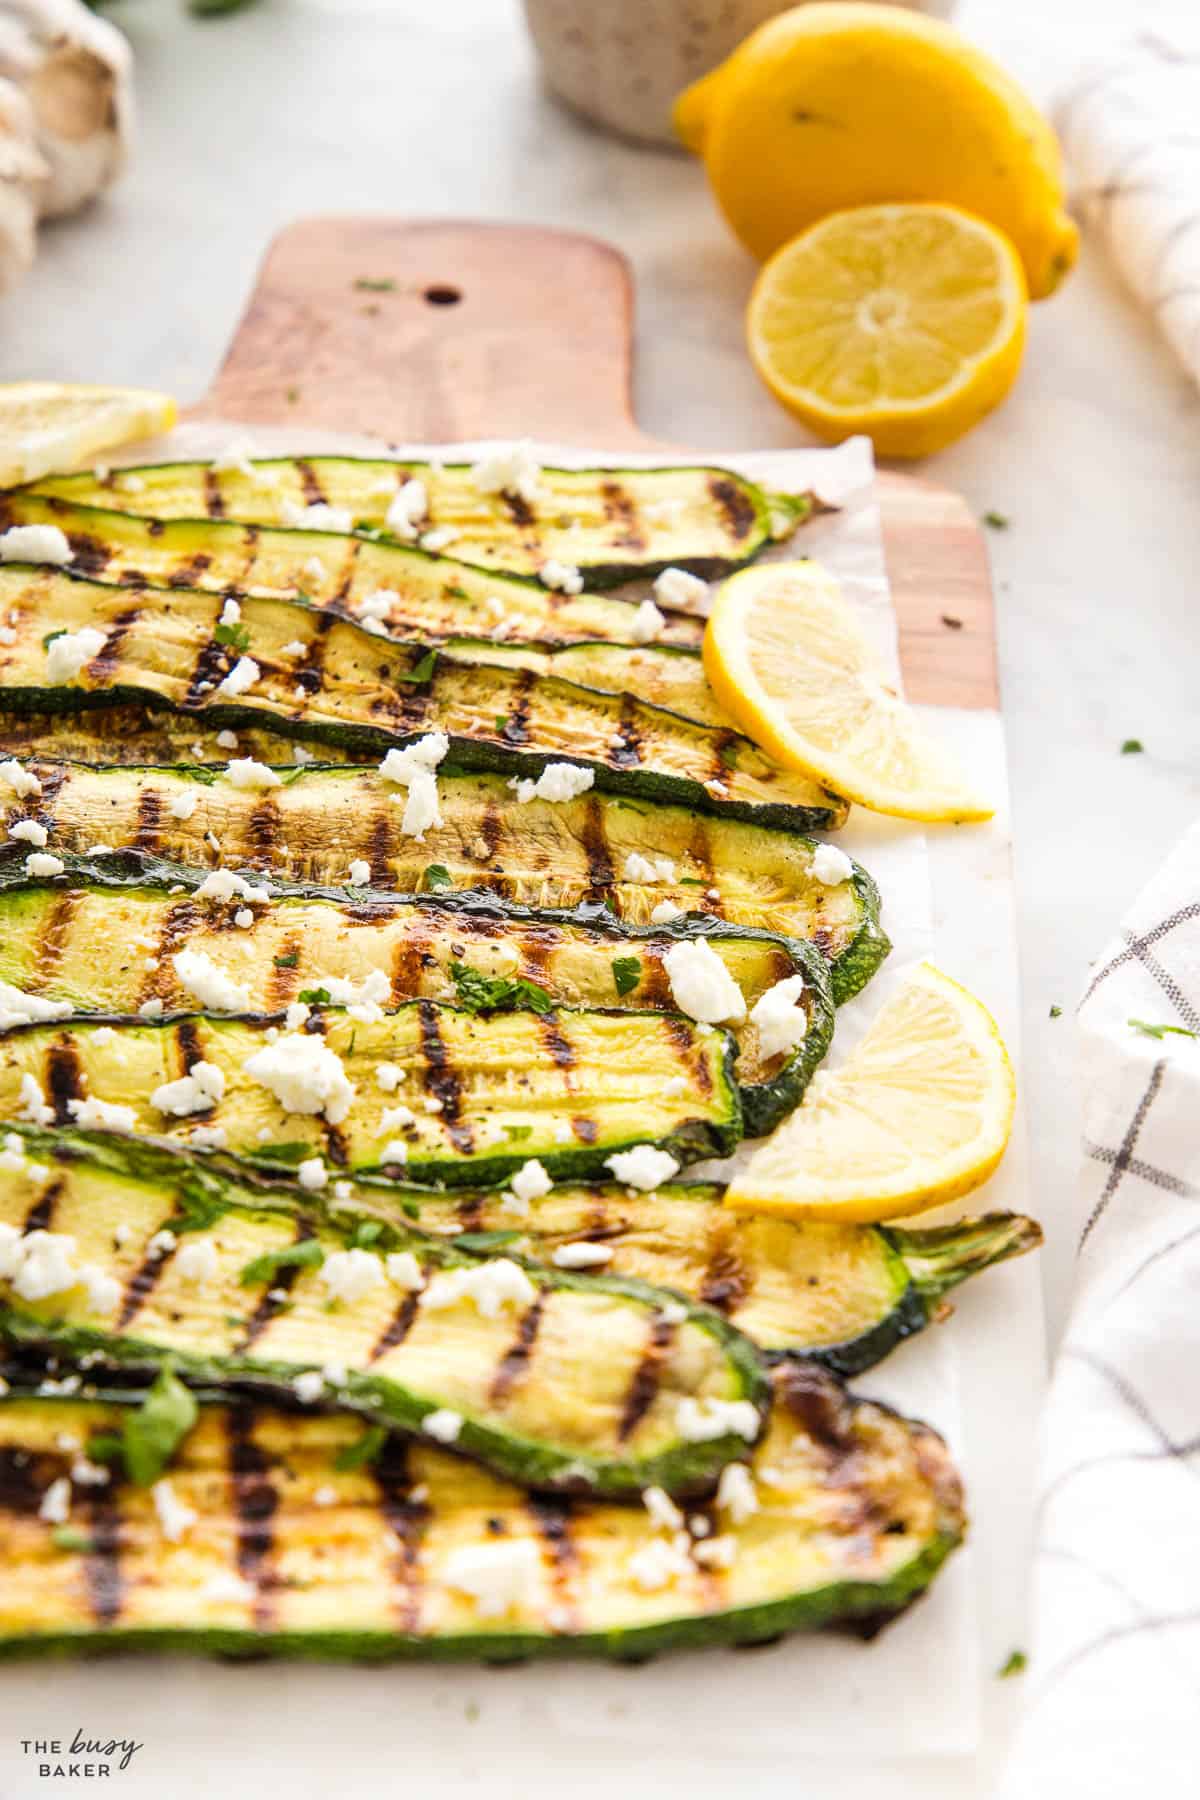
<point x="348" y="687"/>
<point x="858" y="1508"/>
<point x="541" y="854"/>
<point x="84" y="945"/>
<point x="437" y="598"/>
<point x="841" y="1295"/>
<point x="618" y="1079"/>
<point x="561" y="1421"/>
<point x="610" y="523"/>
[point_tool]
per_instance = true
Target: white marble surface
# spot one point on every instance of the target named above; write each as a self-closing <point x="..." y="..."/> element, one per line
<point x="390" y="105"/>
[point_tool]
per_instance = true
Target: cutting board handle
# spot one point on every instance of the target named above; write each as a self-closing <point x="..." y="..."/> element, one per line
<point x="427" y="330"/>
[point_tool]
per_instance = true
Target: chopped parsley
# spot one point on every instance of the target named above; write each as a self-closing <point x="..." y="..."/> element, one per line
<point x="1132" y="747"/>
<point x="1056" y="1012"/>
<point x="1161" y="1031"/>
<point x="1015" y="1664"/>
<point x="420" y="671"/>
<point x="318" y="996"/>
<point x="236" y="636"/>
<point x="375" y="284"/>
<point x="364" y="1450"/>
<point x="477" y="992"/>
<point x="289" y="961"/>
<point x="627" y="972"/>
<point x="996" y="521"/>
<point x="307" y="1254"/>
<point x="366" y="1233"/>
<point x="68" y="1537"/>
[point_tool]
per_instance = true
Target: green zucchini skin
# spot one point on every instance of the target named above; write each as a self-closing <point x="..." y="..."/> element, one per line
<point x="86" y="1183"/>
<point x="445" y="1056"/>
<point x="851" y="1461"/>
<point x="414" y="940"/>
<point x="436" y="597"/>
<point x="726" y="519"/>
<point x="354" y="690"/>
<point x="556" y="855"/>
<point x="844" y="1296"/>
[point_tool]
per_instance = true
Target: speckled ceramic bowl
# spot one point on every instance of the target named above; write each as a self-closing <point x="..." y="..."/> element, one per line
<point x="622" y="62"/>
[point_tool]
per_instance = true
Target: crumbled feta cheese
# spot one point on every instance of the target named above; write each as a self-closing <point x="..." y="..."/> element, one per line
<point x="151" y="1009"/>
<point x="38" y="1264"/>
<point x="304" y="1075"/>
<point x="227" y="740"/>
<point x="12" y="1157"/>
<point x="85" y="1473"/>
<point x="175" y="1518"/>
<point x="312" y="1174"/>
<point x="364" y="998"/>
<point x="102" y="1115"/>
<point x="698" y="1420"/>
<point x="675" y="587"/>
<point x="34" y="544"/>
<point x="717" y="1553"/>
<point x="565" y="577"/>
<point x="648" y="868"/>
<point x="301" y="757"/>
<point x="431" y="1103"/>
<point x="408" y="508"/>
<point x="349" y="1274"/>
<point x="736" y="1493"/>
<point x="394" y="1152"/>
<point x="514" y="1206"/>
<point x="209" y="1137"/>
<point x="70" y="652"/>
<point x="163" y="1242"/>
<point x="243" y="918"/>
<point x="647" y="624"/>
<point x="22" y="781"/>
<point x="108" y="850"/>
<point x="308" y="1386"/>
<point x="424" y="754"/>
<point x="388" y="1077"/>
<point x="377" y="605"/>
<point x="19" y="1008"/>
<point x="701" y="985"/>
<point x="33" y="1108"/>
<point x="359" y="872"/>
<point x="220" y="884"/>
<point x="101" y="1290"/>
<point x="42" y="864"/>
<point x="197" y="1262"/>
<point x="830" y="865"/>
<point x="404" y="1271"/>
<point x="556" y="783"/>
<point x="665" y="911"/>
<point x="297" y="1014"/>
<point x="531" y="1181"/>
<point x="246" y="773"/>
<point x="643" y="1167"/>
<point x="214" y="989"/>
<point x="28" y="831"/>
<point x="582" y="1256"/>
<point x="498" y="1574"/>
<point x="489" y="1286"/>
<point x="443" y="1425"/>
<point x="662" y="1509"/>
<point x="231" y="613"/>
<point x="675" y="1087"/>
<point x="781" y="1020"/>
<point x="395" y="1118"/>
<point x="317" y="517"/>
<point x="421" y="807"/>
<point x="325" y="1496"/>
<point x="55" y="1506"/>
<point x="658" y="1564"/>
<point x="182" y="806"/>
<point x="235" y="460"/>
<point x="194" y="1092"/>
<point x="439" y="539"/>
<point x="315" y="569"/>
<point x="297" y="647"/>
<point x="511" y="469"/>
<point x="243" y="675"/>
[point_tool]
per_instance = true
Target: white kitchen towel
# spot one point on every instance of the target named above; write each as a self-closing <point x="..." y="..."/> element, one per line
<point x="1130" y="127"/>
<point x="1114" y="1680"/>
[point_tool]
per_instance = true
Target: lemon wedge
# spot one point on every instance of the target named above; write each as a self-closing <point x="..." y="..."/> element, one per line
<point x="47" y="426"/>
<point x="903" y="322"/>
<point x="920" y="1114"/>
<point x="785" y="657"/>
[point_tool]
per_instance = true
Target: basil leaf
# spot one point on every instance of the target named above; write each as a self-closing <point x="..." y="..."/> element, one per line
<point x="68" y="1537"/>
<point x="484" y="1240"/>
<point x="236" y="636"/>
<point x="364" y="1450"/>
<point x="627" y="972"/>
<point x="155" y="1431"/>
<point x="307" y="1254"/>
<point x="318" y="996"/>
<point x="477" y="992"/>
<point x="438" y="876"/>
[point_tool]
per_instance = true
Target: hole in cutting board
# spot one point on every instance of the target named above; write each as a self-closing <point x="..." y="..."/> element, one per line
<point x="440" y="294"/>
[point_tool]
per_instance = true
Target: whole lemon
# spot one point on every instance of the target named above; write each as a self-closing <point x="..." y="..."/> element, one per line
<point x="848" y="104"/>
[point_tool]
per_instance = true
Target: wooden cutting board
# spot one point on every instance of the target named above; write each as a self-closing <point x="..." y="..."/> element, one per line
<point x="478" y="330"/>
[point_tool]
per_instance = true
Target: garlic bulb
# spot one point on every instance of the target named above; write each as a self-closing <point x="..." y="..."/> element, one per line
<point x="23" y="171"/>
<point x="75" y="70"/>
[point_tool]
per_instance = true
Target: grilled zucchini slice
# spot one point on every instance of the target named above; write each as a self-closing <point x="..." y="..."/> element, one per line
<point x="574" y="1383"/>
<point x="326" y="680"/>
<point x="609" y="523"/>
<point x="482" y="1094"/>
<point x="292" y="1555"/>
<point x="842" y="1295"/>
<point x="435" y="597"/>
<point x="540" y="854"/>
<point x="88" y="943"/>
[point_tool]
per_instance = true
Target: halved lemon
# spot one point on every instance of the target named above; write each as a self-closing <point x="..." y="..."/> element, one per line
<point x="785" y="656"/>
<point x="920" y="1114"/>
<point x="48" y="426"/>
<point x="903" y="322"/>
